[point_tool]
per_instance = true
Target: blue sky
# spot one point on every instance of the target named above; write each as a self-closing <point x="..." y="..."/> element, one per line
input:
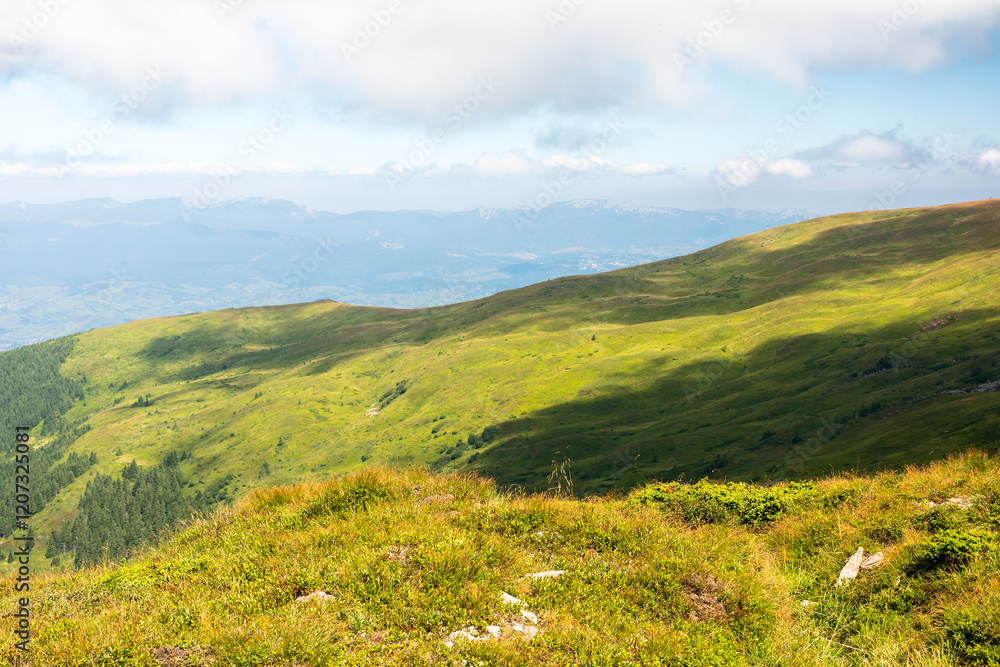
<point x="398" y="104"/>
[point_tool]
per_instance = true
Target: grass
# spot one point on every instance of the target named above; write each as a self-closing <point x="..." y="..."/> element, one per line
<point x="840" y="343"/>
<point x="410" y="556"/>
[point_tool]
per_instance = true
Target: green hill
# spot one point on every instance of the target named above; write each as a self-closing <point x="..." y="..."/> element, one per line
<point x="858" y="341"/>
<point x="394" y="566"/>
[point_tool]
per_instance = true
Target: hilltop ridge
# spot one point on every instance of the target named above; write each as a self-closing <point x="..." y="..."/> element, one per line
<point x="411" y="567"/>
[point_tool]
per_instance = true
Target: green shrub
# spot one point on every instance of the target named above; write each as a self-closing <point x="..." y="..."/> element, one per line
<point x="974" y="635"/>
<point x="359" y="494"/>
<point x="943" y="517"/>
<point x="706" y="502"/>
<point x="839" y="498"/>
<point x="950" y="547"/>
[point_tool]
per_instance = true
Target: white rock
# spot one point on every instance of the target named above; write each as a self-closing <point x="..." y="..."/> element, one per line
<point x="851" y="568"/>
<point x="316" y="595"/>
<point x="530" y="617"/>
<point x="545" y="575"/>
<point x="526" y="631"/>
<point x="493" y="630"/>
<point x="510" y="599"/>
<point x="872" y="561"/>
<point x="461" y="634"/>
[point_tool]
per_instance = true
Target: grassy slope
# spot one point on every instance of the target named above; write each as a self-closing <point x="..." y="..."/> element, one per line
<point x="410" y="557"/>
<point x="740" y="361"/>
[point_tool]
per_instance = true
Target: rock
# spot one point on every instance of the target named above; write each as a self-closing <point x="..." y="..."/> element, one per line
<point x="961" y="502"/>
<point x="316" y="595"/>
<point x="528" y="616"/>
<point x="872" y="561"/>
<point x="399" y="555"/>
<point x="493" y="631"/>
<point x="510" y="599"/>
<point x="461" y="634"/>
<point x="526" y="631"/>
<point x="545" y="575"/>
<point x="851" y="568"/>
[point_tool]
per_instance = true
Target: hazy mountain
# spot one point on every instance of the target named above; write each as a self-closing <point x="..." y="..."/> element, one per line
<point x="77" y="265"/>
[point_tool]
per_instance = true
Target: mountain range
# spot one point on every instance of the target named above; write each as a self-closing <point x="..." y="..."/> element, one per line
<point x="74" y="266"/>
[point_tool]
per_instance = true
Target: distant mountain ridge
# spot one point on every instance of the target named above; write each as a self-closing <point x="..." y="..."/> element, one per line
<point x="77" y="265"/>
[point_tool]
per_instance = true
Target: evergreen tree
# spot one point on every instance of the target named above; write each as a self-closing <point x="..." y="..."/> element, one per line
<point x="131" y="471"/>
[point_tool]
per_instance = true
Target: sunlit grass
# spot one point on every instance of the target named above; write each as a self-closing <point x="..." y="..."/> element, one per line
<point x="411" y="556"/>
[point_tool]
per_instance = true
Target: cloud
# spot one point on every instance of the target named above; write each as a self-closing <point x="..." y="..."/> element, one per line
<point x="863" y="148"/>
<point x="740" y="172"/>
<point x="790" y="167"/>
<point x="989" y="160"/>
<point x="505" y="164"/>
<point x="594" y="163"/>
<point x="867" y="147"/>
<point x="417" y="61"/>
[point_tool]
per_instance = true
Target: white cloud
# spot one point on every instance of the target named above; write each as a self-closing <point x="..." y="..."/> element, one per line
<point x="516" y="163"/>
<point x="989" y="160"/>
<point x="645" y="169"/>
<point x="790" y="167"/>
<point x="740" y="172"/>
<point x="505" y="164"/>
<point x="592" y="163"/>
<point x="872" y="148"/>
<point x="432" y="53"/>
<point x="864" y="148"/>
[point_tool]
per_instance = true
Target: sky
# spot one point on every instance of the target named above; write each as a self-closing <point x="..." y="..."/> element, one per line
<point x="827" y="106"/>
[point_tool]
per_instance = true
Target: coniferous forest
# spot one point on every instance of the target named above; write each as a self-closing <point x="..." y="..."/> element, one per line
<point x="33" y="392"/>
<point x="117" y="516"/>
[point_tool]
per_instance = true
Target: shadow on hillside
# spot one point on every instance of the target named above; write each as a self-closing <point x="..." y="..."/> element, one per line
<point x="317" y="343"/>
<point x="790" y="405"/>
<point x="740" y="274"/>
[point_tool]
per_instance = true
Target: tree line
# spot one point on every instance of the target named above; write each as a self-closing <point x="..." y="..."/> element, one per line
<point x="118" y="516"/>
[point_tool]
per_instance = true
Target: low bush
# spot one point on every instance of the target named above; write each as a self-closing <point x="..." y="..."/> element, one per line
<point x="950" y="547"/>
<point x="707" y="502"/>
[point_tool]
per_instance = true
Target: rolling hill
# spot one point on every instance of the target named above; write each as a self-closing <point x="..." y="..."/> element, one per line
<point x="94" y="263"/>
<point x="858" y="341"/>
